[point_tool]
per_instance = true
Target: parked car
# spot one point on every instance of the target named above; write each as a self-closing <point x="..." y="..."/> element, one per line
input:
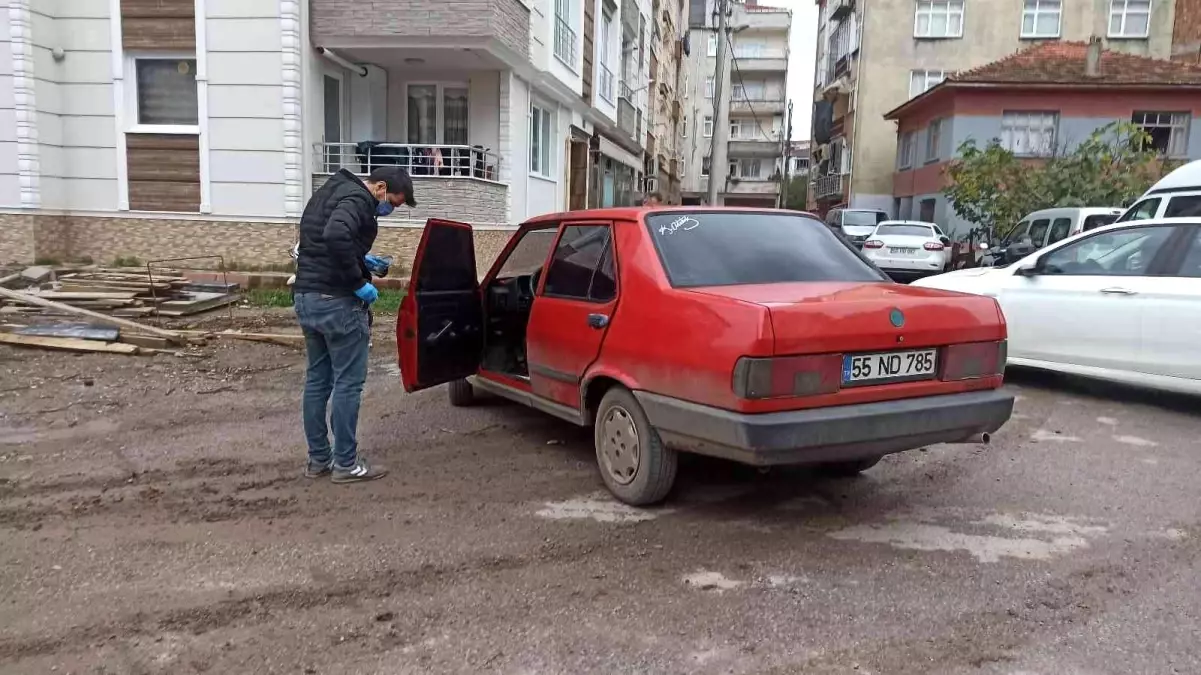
<point x="1048" y="226"/>
<point x="1176" y="195"/>
<point x="754" y="335"/>
<point x="907" y="249"/>
<point x="1120" y="303"/>
<point x="855" y="224"/>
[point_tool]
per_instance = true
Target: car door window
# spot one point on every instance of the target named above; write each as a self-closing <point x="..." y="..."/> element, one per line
<point x="1183" y="207"/>
<point x="1059" y="230"/>
<point x="1191" y="267"/>
<point x="1038" y="231"/>
<point x="1093" y="222"/>
<point x="1122" y="253"/>
<point x="529" y="254"/>
<point x="1144" y="210"/>
<point x="578" y="269"/>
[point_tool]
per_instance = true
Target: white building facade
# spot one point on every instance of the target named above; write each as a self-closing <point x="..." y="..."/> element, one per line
<point x="200" y="127"/>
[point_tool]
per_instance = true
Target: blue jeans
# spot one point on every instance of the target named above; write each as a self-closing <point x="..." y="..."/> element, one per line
<point x="336" y="334"/>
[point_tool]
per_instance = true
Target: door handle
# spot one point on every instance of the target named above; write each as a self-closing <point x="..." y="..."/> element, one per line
<point x="1114" y="290"/>
<point x="598" y="321"/>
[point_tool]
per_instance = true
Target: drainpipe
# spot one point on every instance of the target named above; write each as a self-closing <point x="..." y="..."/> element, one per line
<point x="855" y="95"/>
<point x="338" y="59"/>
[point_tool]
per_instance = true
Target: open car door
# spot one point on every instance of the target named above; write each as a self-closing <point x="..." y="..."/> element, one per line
<point x="440" y="327"/>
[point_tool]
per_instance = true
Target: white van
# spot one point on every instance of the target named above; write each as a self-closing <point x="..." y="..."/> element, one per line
<point x="1048" y="226"/>
<point x="1176" y="195"/>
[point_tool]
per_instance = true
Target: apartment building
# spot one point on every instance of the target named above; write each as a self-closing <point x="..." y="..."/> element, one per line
<point x="873" y="56"/>
<point x="755" y="95"/>
<point x="164" y="128"/>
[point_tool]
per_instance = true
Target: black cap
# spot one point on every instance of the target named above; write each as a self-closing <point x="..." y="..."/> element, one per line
<point x="396" y="181"/>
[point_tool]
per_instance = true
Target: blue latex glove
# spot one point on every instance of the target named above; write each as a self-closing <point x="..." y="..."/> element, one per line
<point x="373" y="260"/>
<point x="367" y="293"/>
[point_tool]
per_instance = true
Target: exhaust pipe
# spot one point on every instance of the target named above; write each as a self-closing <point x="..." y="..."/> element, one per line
<point x="981" y="438"/>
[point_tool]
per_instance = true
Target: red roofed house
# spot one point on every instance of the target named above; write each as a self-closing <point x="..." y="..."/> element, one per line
<point x="1050" y="95"/>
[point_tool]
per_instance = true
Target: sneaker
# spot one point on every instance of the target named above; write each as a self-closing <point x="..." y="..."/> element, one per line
<point x="361" y="472"/>
<point x="312" y="470"/>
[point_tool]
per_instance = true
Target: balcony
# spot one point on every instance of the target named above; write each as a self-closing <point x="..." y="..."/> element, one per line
<point x="606" y="83"/>
<point x="760" y="147"/>
<point x="567" y="48"/>
<point x="752" y="187"/>
<point x="764" y="18"/>
<point x="764" y="62"/>
<point x="755" y="106"/>
<point x="458" y="182"/>
<point x="830" y="188"/>
<point x="462" y="24"/>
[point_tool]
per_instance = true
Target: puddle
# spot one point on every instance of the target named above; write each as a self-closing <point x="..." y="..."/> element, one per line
<point x="601" y="508"/>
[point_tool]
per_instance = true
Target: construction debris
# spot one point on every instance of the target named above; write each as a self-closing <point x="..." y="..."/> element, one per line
<point x="68" y="344"/>
<point x="79" y="331"/>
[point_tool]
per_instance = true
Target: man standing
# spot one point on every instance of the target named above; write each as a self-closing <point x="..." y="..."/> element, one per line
<point x="652" y="199"/>
<point x="333" y="292"/>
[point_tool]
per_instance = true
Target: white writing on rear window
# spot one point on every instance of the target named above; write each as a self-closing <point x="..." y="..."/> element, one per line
<point x="682" y="223"/>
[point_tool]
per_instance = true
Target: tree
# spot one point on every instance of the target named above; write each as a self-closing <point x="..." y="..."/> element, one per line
<point x="798" y="192"/>
<point x="995" y="189"/>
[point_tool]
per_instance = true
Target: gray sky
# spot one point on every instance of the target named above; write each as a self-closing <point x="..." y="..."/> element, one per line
<point x="800" y="65"/>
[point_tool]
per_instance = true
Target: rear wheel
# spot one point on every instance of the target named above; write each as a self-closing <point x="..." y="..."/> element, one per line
<point x="635" y="465"/>
<point x="461" y="393"/>
<point x="849" y="469"/>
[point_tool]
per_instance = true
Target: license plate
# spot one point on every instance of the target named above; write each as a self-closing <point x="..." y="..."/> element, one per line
<point x="902" y="251"/>
<point x="885" y="367"/>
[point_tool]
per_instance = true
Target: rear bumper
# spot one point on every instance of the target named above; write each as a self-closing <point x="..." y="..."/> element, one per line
<point x="837" y="434"/>
<point x="910" y="265"/>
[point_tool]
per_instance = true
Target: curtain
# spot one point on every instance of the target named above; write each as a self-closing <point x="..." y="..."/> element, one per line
<point x="423" y="114"/>
<point x="455" y="112"/>
<point x="167" y="91"/>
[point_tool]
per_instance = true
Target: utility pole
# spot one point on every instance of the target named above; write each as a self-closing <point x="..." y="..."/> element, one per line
<point x="718" y="149"/>
<point x="787" y="154"/>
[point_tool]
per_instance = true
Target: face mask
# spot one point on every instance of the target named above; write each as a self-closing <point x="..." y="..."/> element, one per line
<point x="384" y="209"/>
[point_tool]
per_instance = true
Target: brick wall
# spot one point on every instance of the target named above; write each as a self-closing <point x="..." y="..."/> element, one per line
<point x="471" y="201"/>
<point x="508" y="21"/>
<point x="1186" y="33"/>
<point x="24" y="238"/>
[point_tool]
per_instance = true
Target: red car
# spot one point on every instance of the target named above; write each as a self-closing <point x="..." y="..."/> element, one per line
<point x="754" y="335"/>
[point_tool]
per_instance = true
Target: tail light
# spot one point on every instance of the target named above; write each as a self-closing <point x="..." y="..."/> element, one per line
<point x="873" y="243"/>
<point x="973" y="360"/>
<point x="933" y="246"/>
<point x="788" y="376"/>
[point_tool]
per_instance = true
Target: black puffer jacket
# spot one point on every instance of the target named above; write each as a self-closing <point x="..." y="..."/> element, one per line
<point x="337" y="229"/>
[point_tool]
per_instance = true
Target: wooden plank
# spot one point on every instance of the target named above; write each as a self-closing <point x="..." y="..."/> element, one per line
<point x="179" y="9"/>
<point x="26" y="298"/>
<point x="164" y="172"/>
<point x="173" y="142"/>
<point x="63" y="295"/>
<point x="37" y="274"/>
<point x="79" y="331"/>
<point x="175" y="34"/>
<point x="163" y="165"/>
<point x="164" y="196"/>
<point x="147" y="341"/>
<point x="202" y="302"/>
<point x="67" y="344"/>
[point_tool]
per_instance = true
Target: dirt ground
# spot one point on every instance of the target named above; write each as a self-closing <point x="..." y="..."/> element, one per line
<point x="154" y="520"/>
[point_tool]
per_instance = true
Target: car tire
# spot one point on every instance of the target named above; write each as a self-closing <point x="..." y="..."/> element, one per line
<point x="633" y="461"/>
<point x="849" y="469"/>
<point x="461" y="393"/>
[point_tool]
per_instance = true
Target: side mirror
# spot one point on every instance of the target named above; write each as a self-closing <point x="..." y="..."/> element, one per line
<point x="946" y="241"/>
<point x="1028" y="268"/>
<point x="983" y="246"/>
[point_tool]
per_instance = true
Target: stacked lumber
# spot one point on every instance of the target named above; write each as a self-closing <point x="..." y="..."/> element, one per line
<point x="118" y="292"/>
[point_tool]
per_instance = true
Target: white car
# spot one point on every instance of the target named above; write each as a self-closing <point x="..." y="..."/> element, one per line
<point x="1120" y="303"/>
<point x="908" y="248"/>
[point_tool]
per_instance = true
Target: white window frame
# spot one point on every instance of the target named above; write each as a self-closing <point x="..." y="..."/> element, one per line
<point x="933" y="141"/>
<point x="546" y="164"/>
<point x="1121" y="10"/>
<point x="705" y="172"/>
<point x="440" y="87"/>
<point x="709" y="85"/>
<point x="1036" y="9"/>
<point x="707" y="129"/>
<point x="131" y="95"/>
<point x="1178" y="129"/>
<point x="944" y="9"/>
<point x="711" y="50"/>
<point x="928" y="78"/>
<point x="1014" y="122"/>
<point x="908" y="140"/>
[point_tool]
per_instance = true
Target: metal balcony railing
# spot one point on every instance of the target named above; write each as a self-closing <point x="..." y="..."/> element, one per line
<point x="445" y="161"/>
<point x="606" y="83"/>
<point x="566" y="44"/>
<point x="830" y="186"/>
<point x="624" y="91"/>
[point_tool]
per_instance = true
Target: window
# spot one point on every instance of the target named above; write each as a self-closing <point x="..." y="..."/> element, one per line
<point x="529" y="255"/>
<point x="579" y="268"/>
<point x="926" y="209"/>
<point x="705" y="164"/>
<point x="747" y="49"/>
<point x="454" y="112"/>
<point x="747" y="169"/>
<point x="906" y="229"/>
<point x="1129" y="18"/>
<point x="709" y="87"/>
<point x="708" y="130"/>
<point x="743" y="129"/>
<point x="1183" y="207"/>
<point x="938" y="19"/>
<point x="737" y="92"/>
<point x="1168" y="131"/>
<point x="1124" y="253"/>
<point x="1191" y="266"/>
<point x="684" y="127"/>
<point x="1060" y="229"/>
<point x="906" y="151"/>
<point x="726" y="248"/>
<point x="921" y="81"/>
<point x="1093" y="222"/>
<point x="1144" y="210"/>
<point x="1040" y="18"/>
<point x="712" y="44"/>
<point x="165" y="92"/>
<point x="1038" y="231"/>
<point x="437" y="114"/>
<point x="542" y="141"/>
<point x="566" y="49"/>
<point x="933" y="140"/>
<point x="1029" y="134"/>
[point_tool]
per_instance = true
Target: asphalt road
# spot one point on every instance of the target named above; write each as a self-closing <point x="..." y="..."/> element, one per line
<point x="154" y="521"/>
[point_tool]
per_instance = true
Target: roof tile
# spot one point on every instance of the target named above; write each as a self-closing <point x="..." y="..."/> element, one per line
<point x="1064" y="63"/>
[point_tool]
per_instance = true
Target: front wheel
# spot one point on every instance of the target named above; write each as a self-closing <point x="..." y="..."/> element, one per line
<point x="462" y="394"/>
<point x="850" y="469"/>
<point x="635" y="465"/>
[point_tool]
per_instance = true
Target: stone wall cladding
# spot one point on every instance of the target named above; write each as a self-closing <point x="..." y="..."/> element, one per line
<point x="17" y="239"/>
<point x="507" y="21"/>
<point x="471" y="201"/>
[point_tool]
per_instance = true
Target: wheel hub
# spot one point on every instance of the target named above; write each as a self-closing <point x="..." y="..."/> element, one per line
<point x="620" y="449"/>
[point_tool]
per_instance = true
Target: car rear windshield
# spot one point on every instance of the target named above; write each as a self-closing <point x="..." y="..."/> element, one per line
<point x="728" y="248"/>
<point x="1093" y="222"/>
<point x="860" y="218"/>
<point x="912" y="230"/>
